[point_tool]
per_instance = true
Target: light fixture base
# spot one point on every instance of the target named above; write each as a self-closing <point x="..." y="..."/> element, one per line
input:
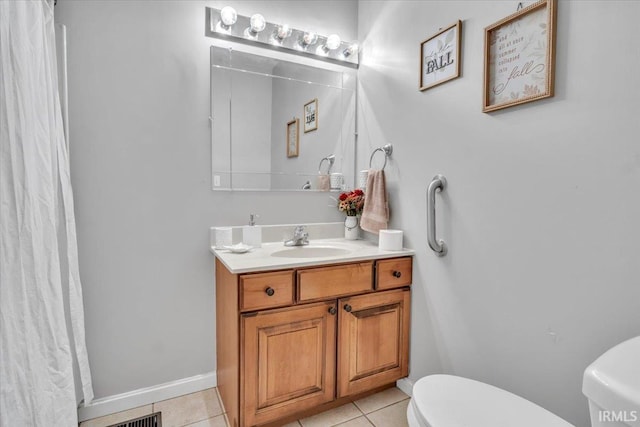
<point x="292" y="43"/>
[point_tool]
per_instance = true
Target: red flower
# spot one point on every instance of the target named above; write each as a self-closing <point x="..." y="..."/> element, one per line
<point x="351" y="202"/>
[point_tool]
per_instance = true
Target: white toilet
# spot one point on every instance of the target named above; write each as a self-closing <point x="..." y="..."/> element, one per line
<point x="611" y="382"/>
<point x="450" y="401"/>
<point x="612" y="385"/>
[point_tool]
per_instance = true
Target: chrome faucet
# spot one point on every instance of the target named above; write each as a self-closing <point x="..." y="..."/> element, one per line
<point x="300" y="237"/>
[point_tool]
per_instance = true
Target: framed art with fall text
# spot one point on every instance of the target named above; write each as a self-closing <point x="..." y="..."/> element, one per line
<point x="311" y="115"/>
<point x="519" y="57"/>
<point x="293" y="138"/>
<point x="440" y="57"/>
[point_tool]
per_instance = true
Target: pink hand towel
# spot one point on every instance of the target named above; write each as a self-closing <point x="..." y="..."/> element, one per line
<point x="375" y="214"/>
<point x="323" y="182"/>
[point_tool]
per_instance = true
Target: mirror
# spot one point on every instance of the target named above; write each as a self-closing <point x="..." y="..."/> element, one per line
<point x="280" y="126"/>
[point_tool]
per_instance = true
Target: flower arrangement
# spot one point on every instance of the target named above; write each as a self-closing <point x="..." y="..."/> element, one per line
<point x="351" y="202"/>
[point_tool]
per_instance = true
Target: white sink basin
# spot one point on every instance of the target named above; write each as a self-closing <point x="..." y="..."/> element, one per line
<point x="310" y="252"/>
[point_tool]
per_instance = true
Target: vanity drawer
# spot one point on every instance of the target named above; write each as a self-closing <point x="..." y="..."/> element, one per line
<point x="393" y="273"/>
<point x="266" y="290"/>
<point x="330" y="282"/>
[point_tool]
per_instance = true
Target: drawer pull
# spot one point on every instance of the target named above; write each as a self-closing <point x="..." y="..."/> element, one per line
<point x="347" y="308"/>
<point x="397" y="274"/>
<point x="269" y="291"/>
<point x="332" y="311"/>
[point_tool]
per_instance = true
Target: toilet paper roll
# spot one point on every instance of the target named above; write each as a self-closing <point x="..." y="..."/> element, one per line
<point x="223" y="237"/>
<point x="390" y="240"/>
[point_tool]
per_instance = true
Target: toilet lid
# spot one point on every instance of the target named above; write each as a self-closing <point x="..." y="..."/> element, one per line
<point x="613" y="380"/>
<point x="450" y="401"/>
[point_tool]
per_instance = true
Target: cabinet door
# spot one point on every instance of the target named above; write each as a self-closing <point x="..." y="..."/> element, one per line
<point x="288" y="361"/>
<point x="373" y="340"/>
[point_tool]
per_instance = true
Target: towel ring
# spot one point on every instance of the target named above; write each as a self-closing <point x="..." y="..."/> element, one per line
<point x="330" y="158"/>
<point x="387" y="150"/>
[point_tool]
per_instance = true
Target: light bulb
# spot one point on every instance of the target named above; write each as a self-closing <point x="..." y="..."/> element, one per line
<point x="308" y="38"/>
<point x="352" y="49"/>
<point x="283" y="31"/>
<point x="228" y="16"/>
<point x="257" y="23"/>
<point x="333" y="42"/>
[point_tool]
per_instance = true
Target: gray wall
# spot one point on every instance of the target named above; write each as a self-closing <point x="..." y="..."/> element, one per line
<point x="251" y="130"/>
<point x="141" y="171"/>
<point x="541" y="213"/>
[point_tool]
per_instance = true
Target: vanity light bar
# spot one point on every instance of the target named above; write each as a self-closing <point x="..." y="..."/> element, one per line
<point x="226" y="24"/>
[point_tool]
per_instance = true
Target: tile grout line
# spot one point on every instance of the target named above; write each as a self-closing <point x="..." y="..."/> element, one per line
<point x="371" y="421"/>
<point x="362" y="413"/>
<point x="299" y="421"/>
<point x="386" y="406"/>
<point x="224" y="410"/>
<point x="351" y="419"/>
<point x="206" y="419"/>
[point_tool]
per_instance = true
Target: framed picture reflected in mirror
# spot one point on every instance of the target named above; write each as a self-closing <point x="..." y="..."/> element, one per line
<point x="293" y="137"/>
<point x="311" y="115"/>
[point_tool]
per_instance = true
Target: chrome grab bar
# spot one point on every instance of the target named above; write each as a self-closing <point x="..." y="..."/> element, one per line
<point x="439" y="183"/>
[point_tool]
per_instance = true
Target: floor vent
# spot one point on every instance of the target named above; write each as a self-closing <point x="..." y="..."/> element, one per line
<point x="153" y="420"/>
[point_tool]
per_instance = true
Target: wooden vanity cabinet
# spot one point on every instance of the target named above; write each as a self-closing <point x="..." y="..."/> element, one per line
<point x="266" y="290"/>
<point x="288" y="361"/>
<point x="373" y="340"/>
<point x="320" y="283"/>
<point x="319" y="344"/>
<point x="393" y="273"/>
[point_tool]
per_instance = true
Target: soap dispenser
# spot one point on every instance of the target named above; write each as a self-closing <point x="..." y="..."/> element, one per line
<point x="252" y="233"/>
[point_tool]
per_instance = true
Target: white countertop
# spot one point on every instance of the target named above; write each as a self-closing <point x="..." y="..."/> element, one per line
<point x="262" y="259"/>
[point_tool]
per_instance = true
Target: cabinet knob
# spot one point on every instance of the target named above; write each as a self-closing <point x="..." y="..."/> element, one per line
<point x="269" y="291"/>
<point x="332" y="310"/>
<point x="347" y="308"/>
<point x="396" y="274"/>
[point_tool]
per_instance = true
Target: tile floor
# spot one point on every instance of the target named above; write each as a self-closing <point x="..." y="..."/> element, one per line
<point x="203" y="409"/>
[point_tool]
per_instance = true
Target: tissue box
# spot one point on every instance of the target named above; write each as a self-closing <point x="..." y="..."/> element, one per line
<point x="223" y="237"/>
<point x="390" y="240"/>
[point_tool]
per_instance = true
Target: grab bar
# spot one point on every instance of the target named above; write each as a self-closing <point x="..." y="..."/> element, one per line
<point x="438" y="184"/>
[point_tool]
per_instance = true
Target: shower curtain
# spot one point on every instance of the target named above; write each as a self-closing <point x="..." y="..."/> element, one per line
<point x="41" y="314"/>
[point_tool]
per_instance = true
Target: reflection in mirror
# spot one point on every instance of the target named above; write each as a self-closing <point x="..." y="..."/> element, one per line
<point x="257" y="143"/>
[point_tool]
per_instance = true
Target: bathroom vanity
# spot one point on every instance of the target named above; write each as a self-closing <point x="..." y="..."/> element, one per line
<point x="298" y="333"/>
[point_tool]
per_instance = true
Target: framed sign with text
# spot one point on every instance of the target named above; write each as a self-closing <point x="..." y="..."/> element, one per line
<point x="519" y="57"/>
<point x="311" y="115"/>
<point x="440" y="57"/>
<point x="293" y="138"/>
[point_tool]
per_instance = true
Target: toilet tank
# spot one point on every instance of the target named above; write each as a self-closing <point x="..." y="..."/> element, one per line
<point x="612" y="385"/>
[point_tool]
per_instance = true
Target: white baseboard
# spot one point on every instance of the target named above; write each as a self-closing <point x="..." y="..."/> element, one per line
<point x="406" y="385"/>
<point x="145" y="396"/>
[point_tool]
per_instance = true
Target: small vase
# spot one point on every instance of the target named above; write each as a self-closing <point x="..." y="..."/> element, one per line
<point x="351" y="228"/>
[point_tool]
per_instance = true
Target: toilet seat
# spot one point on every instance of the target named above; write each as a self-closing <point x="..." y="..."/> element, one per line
<point x="451" y="401"/>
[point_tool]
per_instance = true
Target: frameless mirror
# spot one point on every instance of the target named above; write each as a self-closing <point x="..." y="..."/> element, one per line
<point x="279" y="125"/>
